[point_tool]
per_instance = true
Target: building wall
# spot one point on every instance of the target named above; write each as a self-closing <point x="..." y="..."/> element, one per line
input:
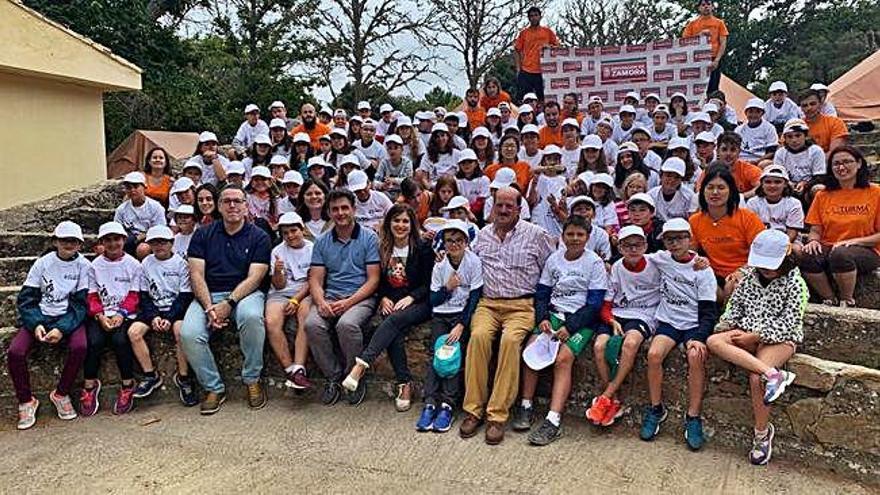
<point x="51" y="138"/>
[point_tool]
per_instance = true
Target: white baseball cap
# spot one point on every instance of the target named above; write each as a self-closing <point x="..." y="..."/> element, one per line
<point x="661" y="108"/>
<point x="114" y="228"/>
<point x="654" y="96"/>
<point x="207" y="137"/>
<point x="424" y="115"/>
<point x="775" y="170"/>
<point x="527" y="129"/>
<point x="339" y="112"/>
<point x="404" y="121"/>
<point x="701" y="117"/>
<point x="631" y="230"/>
<point x="326" y="110"/>
<point x="530" y="97"/>
<point x="338" y="131"/>
<point x="572" y="202"/>
<point x="467" y="154"/>
<point x="591" y="141"/>
<point x="632" y="94"/>
<point x="317" y="161"/>
<point x="678" y="143"/>
<point x="277" y="123"/>
<point x="526" y="108"/>
<point x="262" y="139"/>
<point x="551" y="149"/>
<point x="251" y="108"/>
<point x="301" y="137"/>
<point x="235" y="168"/>
<point x="705" y="137"/>
<point x="292" y="177"/>
<point x="68" y="230"/>
<point x="678" y="94"/>
<point x="369" y="123"/>
<point x="357" y="180"/>
<point x="710" y="107"/>
<point x="134" y="178"/>
<point x="769" y="249"/>
<point x="356" y="118"/>
<point x="325" y="137"/>
<point x="675" y="165"/>
<point x="606" y="122"/>
<point x="602" y="178"/>
<point x="385" y="107"/>
<point x="462" y="119"/>
<point x="160" y="232"/>
<point x="393" y="138"/>
<point x="261" y="171"/>
<point x="627" y="109"/>
<point x="628" y="146"/>
<point x="571" y="122"/>
<point x="778" y="86"/>
<point x="192" y="164"/>
<point x="795" y="125"/>
<point x="440" y="111"/>
<point x="493" y="112"/>
<point x="818" y="87"/>
<point x="185" y="210"/>
<point x="276" y="104"/>
<point x="504" y="177"/>
<point x="279" y="160"/>
<point x="676" y="225"/>
<point x="182" y="184"/>
<point x="510" y="128"/>
<point x="363" y="105"/>
<point x="482" y="132"/>
<point x="440" y="127"/>
<point x="755" y="103"/>
<point x="596" y="99"/>
<point x="642" y="198"/>
<point x="455" y="203"/>
<point x="350" y="159"/>
<point x="586" y="176"/>
<point x="290" y="218"/>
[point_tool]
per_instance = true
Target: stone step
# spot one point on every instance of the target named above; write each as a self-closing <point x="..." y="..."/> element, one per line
<point x="8" y="312"/>
<point x="44" y="214"/>
<point x="13" y="270"/>
<point x="91" y="218"/>
<point x="15" y="244"/>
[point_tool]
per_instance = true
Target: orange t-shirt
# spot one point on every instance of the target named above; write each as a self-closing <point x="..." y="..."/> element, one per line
<point x="529" y="44"/>
<point x="746" y="175"/>
<point x="424" y="205"/>
<point x="523" y="173"/>
<point x="714" y="25"/>
<point x="314" y="135"/>
<point x="579" y="117"/>
<point x="487" y="102"/>
<point x="548" y="135"/>
<point x="727" y="241"/>
<point x="846" y="213"/>
<point x="826" y="128"/>
<point x="161" y="191"/>
<point x="476" y="116"/>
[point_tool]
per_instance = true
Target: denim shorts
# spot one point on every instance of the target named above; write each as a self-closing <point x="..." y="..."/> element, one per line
<point x="681" y="336"/>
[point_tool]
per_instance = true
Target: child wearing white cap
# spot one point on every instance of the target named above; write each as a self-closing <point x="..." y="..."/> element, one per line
<point x="288" y="296"/>
<point x="803" y="160"/>
<point x="260" y="153"/>
<point x="529" y="151"/>
<point x="624" y="124"/>
<point x="599" y="241"/>
<point x="113" y="305"/>
<point x="546" y="191"/>
<point x="209" y="161"/>
<point x="52" y="310"/>
<point x="568" y="299"/>
<point x="776" y="206"/>
<point x="165" y="295"/>
<point x="291" y="182"/>
<point x="282" y="141"/>
<point x="137" y="214"/>
<point x="761" y="328"/>
<point x="642" y="138"/>
<point x="779" y="108"/>
<point x="504" y="177"/>
<point x="371" y="148"/>
<point x="473" y="185"/>
<point x="262" y="199"/>
<point x="661" y="129"/>
<point x="183" y="192"/>
<point x="413" y="147"/>
<point x="440" y="159"/>
<point x="602" y="192"/>
<point x="759" y="137"/>
<point x="185" y="221"/>
<point x="673" y="199"/>
<point x="249" y="129"/>
<point x="393" y="168"/>
<point x="370" y="206"/>
<point x="595" y="113"/>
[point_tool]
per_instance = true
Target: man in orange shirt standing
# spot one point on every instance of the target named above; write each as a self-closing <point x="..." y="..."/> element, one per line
<point x="706" y="23"/>
<point x="527" y="54"/>
<point x="827" y="131"/>
<point x="310" y="125"/>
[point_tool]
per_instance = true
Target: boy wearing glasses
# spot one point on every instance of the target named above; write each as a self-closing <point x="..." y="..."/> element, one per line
<point x="685" y="317"/>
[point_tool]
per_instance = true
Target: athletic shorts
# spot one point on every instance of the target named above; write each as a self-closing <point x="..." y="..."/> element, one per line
<point x="628" y="324"/>
<point x="577" y="341"/>
<point x="681" y="336"/>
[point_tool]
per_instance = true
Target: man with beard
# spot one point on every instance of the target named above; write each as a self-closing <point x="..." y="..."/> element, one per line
<point x="527" y="55"/>
<point x="279" y="111"/>
<point x="476" y="115"/>
<point x="551" y="132"/>
<point x="310" y="125"/>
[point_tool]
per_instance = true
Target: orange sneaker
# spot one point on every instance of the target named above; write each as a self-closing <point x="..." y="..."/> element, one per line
<point x="598" y="410"/>
<point x="614" y="411"/>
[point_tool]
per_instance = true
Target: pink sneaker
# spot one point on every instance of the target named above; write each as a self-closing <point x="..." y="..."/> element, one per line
<point x="88" y="400"/>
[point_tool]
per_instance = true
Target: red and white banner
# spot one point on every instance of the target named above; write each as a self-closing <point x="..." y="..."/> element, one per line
<point x="663" y="67"/>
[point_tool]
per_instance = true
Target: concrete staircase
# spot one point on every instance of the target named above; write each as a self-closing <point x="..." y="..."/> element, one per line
<point x="830" y="417"/>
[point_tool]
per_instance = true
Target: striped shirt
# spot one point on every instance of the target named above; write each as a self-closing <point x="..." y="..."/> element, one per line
<point x="512" y="267"/>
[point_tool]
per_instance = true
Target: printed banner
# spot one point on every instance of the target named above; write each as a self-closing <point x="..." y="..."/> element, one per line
<point x="663" y="67"/>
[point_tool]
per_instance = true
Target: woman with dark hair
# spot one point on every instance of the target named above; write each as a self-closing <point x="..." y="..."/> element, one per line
<point x="844" y="224"/>
<point x="413" y="149"/>
<point x="492" y="93"/>
<point x="445" y="189"/>
<point x="260" y="153"/>
<point x="340" y="146"/>
<point x="722" y="230"/>
<point x="441" y="158"/>
<point x="629" y="161"/>
<point x="404" y="287"/>
<point x="206" y="204"/>
<point x="678" y="109"/>
<point x="591" y="158"/>
<point x="508" y="156"/>
<point x="312" y="208"/>
<point x="483" y="147"/>
<point x="302" y="151"/>
<point x="412" y="193"/>
<point x="157" y="169"/>
<point x="282" y="141"/>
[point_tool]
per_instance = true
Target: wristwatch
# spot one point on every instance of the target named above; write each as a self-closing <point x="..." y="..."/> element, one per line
<point x="231" y="302"/>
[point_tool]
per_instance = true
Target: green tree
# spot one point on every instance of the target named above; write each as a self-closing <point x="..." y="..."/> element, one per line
<point x="439" y="97"/>
<point x="598" y="22"/>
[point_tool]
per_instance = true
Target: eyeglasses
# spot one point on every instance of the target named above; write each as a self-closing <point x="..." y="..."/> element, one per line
<point x="676" y="238"/>
<point x="843" y="163"/>
<point x="231" y="202"/>
<point x="454" y="240"/>
<point x="631" y="245"/>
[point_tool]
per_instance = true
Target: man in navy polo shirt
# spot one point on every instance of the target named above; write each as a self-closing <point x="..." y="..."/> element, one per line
<point x="343" y="279"/>
<point x="228" y="260"/>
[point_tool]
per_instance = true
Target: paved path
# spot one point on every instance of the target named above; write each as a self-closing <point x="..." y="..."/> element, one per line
<point x="296" y="446"/>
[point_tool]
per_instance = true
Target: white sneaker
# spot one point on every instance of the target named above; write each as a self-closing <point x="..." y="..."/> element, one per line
<point x="27" y="414"/>
<point x="63" y="406"/>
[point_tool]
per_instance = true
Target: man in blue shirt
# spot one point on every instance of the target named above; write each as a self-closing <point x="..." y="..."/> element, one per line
<point x="228" y="260"/>
<point x="342" y="281"/>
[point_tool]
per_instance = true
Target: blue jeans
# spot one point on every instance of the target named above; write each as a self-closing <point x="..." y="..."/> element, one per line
<point x="195" y="337"/>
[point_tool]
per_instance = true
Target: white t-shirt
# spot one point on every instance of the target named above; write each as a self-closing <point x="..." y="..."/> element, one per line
<point x="610" y="148"/>
<point x="374" y="152"/>
<point x="371" y="212"/>
<point x="246" y="133"/>
<point x="181" y="243"/>
<point x="57" y="279"/>
<point x="606" y="216"/>
<point x="534" y="161"/>
<point x="447" y="164"/>
<point x="600" y="243"/>
<point x="113" y="280"/>
<point x="470" y="272"/>
<point x="407" y="150"/>
<point x="801" y="165"/>
<point x="681" y="288"/>
<point x="663" y="135"/>
<point x="619" y="134"/>
<point x="316" y="227"/>
<point x="653" y="161"/>
<point x="589" y="124"/>
<point x="259" y="207"/>
<point x="570" y="280"/>
<point x="570" y="159"/>
<point x="635" y="295"/>
<point x="382" y="127"/>
<point x="680" y="206"/>
<point x="756" y="140"/>
<point x="525" y="213"/>
<point x="208" y="175"/>
<point x="541" y="213"/>
<point x="787" y="111"/>
<point x="284" y="206"/>
<point x="474" y="188"/>
<point x="296" y="267"/>
<point x="165" y="279"/>
<point x="138" y="219"/>
<point x="786" y="213"/>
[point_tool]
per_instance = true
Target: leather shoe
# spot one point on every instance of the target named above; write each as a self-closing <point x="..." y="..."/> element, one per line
<point x="494" y="432"/>
<point x="469" y="426"/>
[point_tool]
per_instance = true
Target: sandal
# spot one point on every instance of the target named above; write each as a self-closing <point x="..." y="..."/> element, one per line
<point x="848" y="303"/>
<point x="830" y="302"/>
<point x="403" y="400"/>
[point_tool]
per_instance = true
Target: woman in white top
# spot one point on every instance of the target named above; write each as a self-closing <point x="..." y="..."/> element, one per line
<point x="311" y="207"/>
<point x="440" y="159"/>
